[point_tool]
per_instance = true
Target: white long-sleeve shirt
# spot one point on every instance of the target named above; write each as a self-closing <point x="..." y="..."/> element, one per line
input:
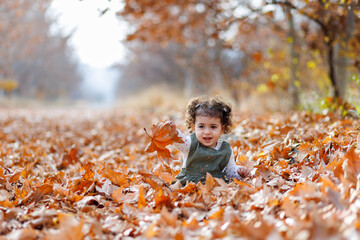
<point x="231" y="168"/>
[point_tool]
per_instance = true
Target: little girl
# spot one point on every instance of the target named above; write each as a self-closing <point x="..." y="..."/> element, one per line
<point x="203" y="150"/>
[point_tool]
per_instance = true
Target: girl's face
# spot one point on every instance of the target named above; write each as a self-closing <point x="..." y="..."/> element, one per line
<point x="208" y="130"/>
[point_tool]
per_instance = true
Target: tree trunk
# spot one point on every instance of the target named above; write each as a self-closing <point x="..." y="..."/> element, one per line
<point x="341" y="51"/>
<point x="332" y="74"/>
<point x="189" y="78"/>
<point x="185" y="61"/>
<point x="223" y="79"/>
<point x="341" y="72"/>
<point x="294" y="59"/>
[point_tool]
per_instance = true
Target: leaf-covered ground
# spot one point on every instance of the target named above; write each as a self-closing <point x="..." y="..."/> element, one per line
<point x="69" y="174"/>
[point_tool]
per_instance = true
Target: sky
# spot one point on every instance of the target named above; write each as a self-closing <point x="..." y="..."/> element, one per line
<point x="96" y="40"/>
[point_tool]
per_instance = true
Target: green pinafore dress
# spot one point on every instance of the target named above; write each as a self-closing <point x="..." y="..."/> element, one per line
<point x="202" y="160"/>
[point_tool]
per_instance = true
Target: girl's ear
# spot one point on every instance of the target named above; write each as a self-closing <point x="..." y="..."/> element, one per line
<point x="192" y="127"/>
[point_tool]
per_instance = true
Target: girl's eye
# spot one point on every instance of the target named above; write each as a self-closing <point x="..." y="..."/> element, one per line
<point x="201" y="126"/>
<point x="213" y="127"/>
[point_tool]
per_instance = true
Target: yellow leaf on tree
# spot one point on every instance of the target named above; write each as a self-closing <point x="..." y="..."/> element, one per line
<point x="311" y="64"/>
<point x="275" y="77"/>
<point x="262" y="88"/>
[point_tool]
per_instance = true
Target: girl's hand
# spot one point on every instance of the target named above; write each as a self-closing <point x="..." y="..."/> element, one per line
<point x="172" y="132"/>
<point x="164" y="131"/>
<point x="244" y="172"/>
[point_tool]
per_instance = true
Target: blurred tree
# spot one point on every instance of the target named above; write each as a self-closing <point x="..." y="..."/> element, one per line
<point x="335" y="25"/>
<point x="40" y="62"/>
<point x="294" y="57"/>
<point x="259" y="30"/>
<point x="183" y="68"/>
<point x="151" y="62"/>
<point x="195" y="27"/>
<point x="223" y="43"/>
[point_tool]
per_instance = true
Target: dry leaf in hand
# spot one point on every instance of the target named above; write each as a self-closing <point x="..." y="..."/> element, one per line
<point x="163" y="134"/>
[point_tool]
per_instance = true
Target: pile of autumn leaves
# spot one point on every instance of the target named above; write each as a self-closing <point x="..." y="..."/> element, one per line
<point x="84" y="175"/>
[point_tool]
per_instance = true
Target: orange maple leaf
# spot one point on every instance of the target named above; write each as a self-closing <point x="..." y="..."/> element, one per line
<point x="163" y="134"/>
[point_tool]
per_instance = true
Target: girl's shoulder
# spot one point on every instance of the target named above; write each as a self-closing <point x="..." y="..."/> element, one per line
<point x="222" y="144"/>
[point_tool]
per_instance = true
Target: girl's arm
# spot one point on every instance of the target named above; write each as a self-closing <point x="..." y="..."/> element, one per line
<point x="173" y="132"/>
<point x="235" y="171"/>
<point x="182" y="147"/>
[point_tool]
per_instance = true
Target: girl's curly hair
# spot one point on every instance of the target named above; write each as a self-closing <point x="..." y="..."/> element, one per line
<point x="211" y="107"/>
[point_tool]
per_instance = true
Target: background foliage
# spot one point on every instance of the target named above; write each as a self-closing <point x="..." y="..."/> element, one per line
<point x="287" y="48"/>
<point x="33" y="61"/>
